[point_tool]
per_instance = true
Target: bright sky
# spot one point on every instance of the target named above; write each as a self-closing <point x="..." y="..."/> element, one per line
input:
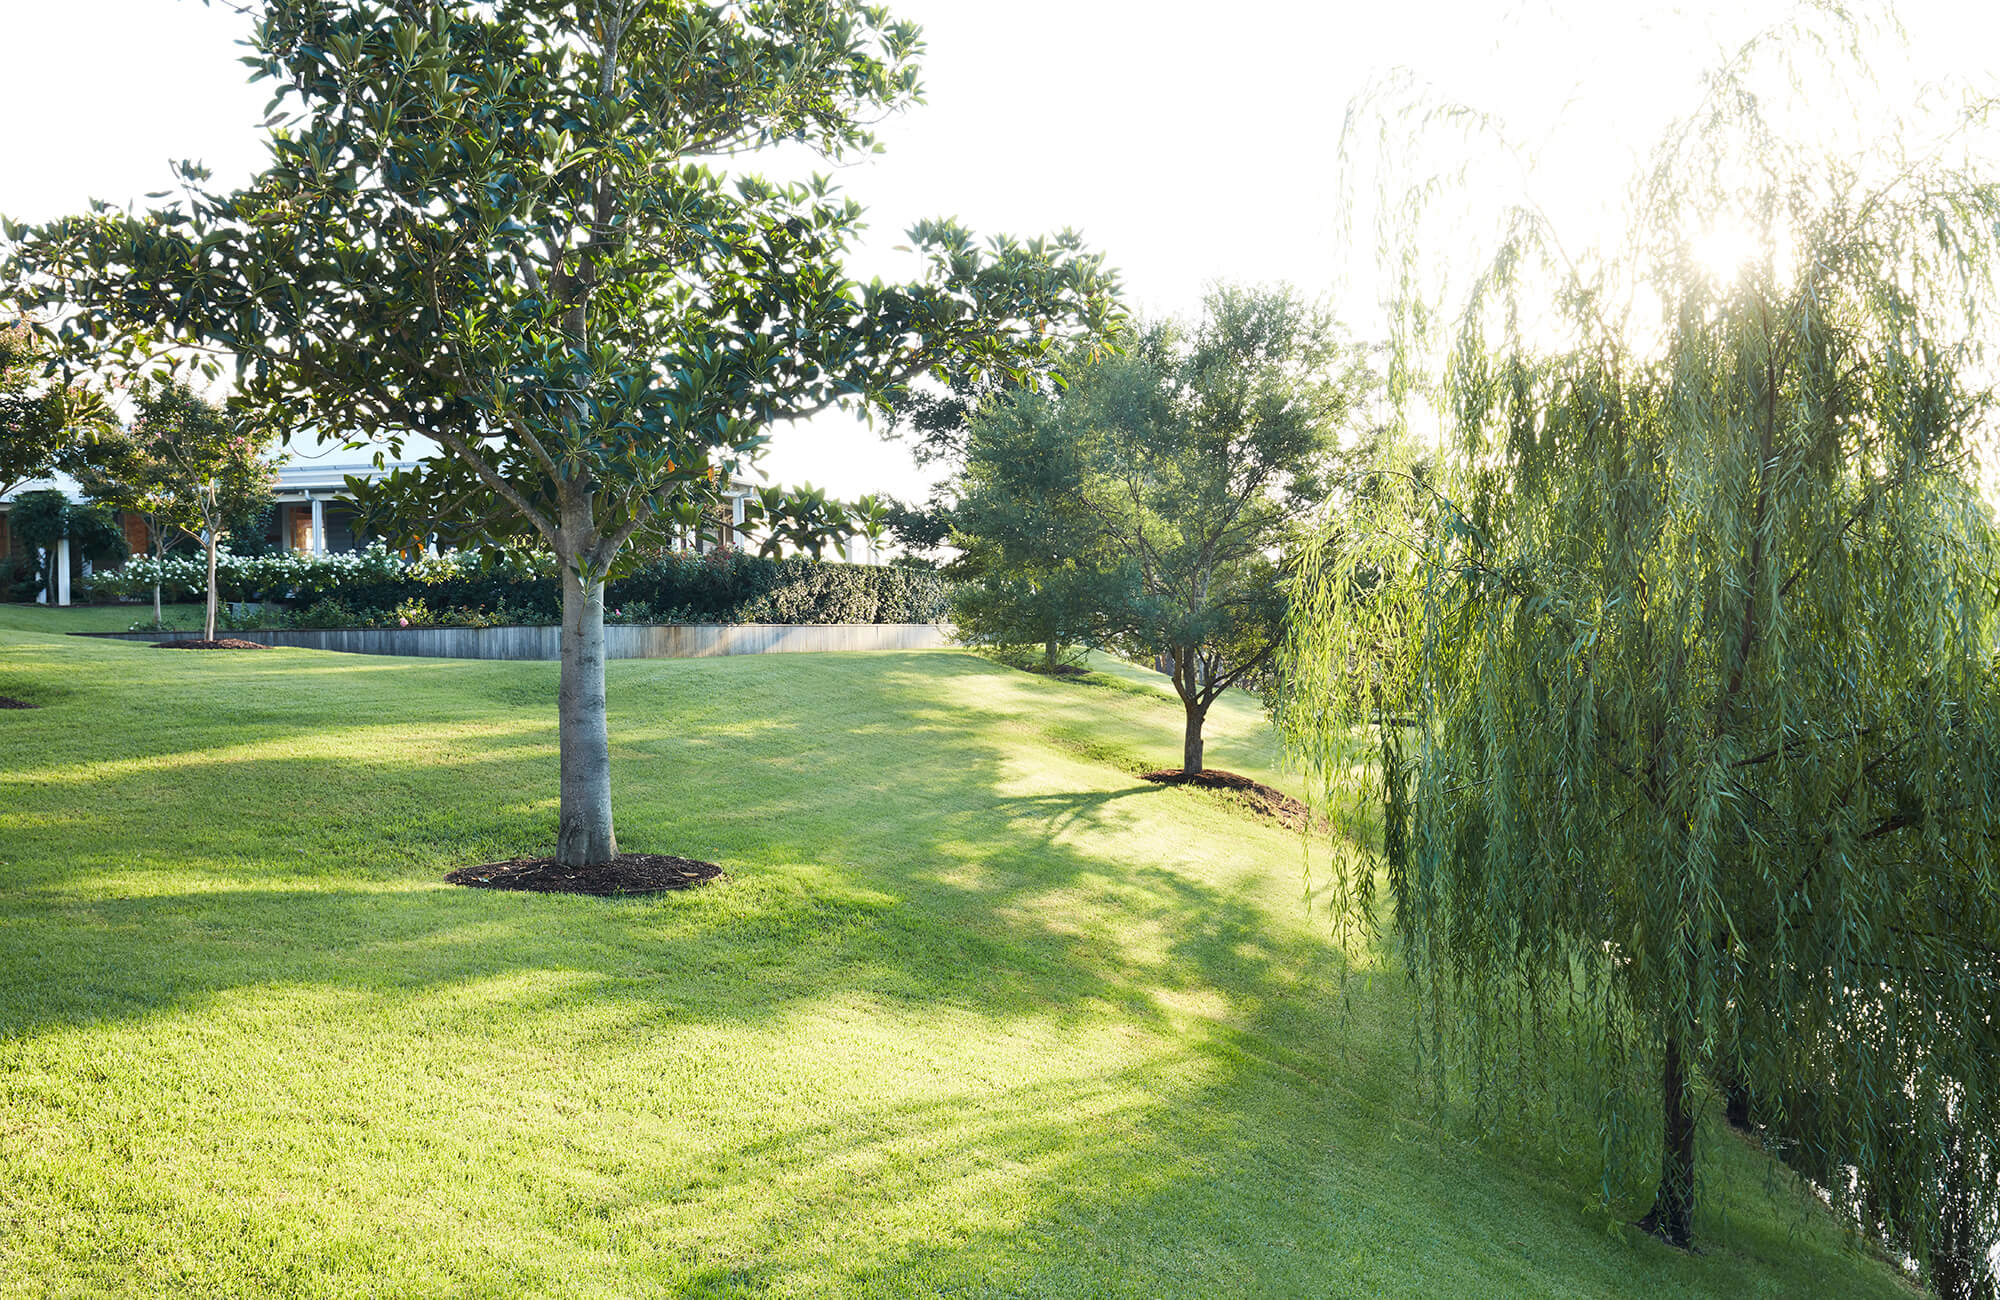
<point x="1190" y="143"/>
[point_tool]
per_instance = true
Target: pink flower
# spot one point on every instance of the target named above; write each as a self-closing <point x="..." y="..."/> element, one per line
<point x="402" y="622"/>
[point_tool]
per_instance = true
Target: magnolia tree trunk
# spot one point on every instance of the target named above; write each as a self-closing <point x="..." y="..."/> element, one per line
<point x="584" y="836"/>
<point x="210" y="540"/>
<point x="1672" y="1216"/>
<point x="1191" y="761"/>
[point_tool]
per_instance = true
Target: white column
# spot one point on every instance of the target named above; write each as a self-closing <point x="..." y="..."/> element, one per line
<point x="42" y="588"/>
<point x="736" y="523"/>
<point x="62" y="572"/>
<point x="319" y="526"/>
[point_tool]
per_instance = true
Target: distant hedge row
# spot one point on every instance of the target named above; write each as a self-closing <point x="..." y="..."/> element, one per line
<point x="377" y="588"/>
<point x="716" y="588"/>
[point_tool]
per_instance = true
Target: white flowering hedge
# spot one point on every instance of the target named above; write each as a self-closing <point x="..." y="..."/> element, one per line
<point x="295" y="575"/>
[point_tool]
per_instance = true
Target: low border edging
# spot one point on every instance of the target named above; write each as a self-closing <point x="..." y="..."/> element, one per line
<point x="621" y="640"/>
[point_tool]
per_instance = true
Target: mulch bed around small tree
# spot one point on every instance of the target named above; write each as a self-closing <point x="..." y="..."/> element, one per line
<point x="628" y="873"/>
<point x="9" y="702"/>
<point x="1263" y="799"/>
<point x="1060" y="670"/>
<point x="222" y="643"/>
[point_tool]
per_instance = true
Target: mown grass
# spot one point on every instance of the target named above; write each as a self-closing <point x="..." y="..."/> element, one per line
<point x="975" y="1012"/>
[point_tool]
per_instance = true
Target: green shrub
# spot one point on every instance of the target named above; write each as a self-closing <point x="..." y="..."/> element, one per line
<point x="378" y="588"/>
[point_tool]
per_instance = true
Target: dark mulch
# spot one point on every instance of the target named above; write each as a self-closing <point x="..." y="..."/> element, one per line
<point x="221" y="643"/>
<point x="1263" y="799"/>
<point x="1060" y="670"/>
<point x="9" y="702"/>
<point x="628" y="873"/>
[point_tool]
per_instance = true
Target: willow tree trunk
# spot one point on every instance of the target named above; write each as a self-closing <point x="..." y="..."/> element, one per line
<point x="584" y="836"/>
<point x="1672" y="1217"/>
<point x="209" y="540"/>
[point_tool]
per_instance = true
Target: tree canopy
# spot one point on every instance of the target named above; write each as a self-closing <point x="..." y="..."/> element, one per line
<point x="1679" y="643"/>
<point x="42" y="422"/>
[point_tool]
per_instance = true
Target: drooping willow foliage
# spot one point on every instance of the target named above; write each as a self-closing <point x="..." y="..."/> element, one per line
<point x="1678" y="639"/>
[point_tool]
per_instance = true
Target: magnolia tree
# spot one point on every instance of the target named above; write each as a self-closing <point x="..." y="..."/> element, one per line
<point x="1679" y="644"/>
<point x="524" y="230"/>
<point x="187" y="466"/>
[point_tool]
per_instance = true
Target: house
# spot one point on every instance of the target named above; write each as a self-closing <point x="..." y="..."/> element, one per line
<point x="313" y="513"/>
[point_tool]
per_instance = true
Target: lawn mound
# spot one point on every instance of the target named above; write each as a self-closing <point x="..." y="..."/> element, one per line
<point x="9" y="702"/>
<point x="221" y="643"/>
<point x="1263" y="799"/>
<point x="628" y="873"/>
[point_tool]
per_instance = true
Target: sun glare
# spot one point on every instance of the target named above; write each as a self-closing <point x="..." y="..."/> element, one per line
<point x="1724" y="251"/>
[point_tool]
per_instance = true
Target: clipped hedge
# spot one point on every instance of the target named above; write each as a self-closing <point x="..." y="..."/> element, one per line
<point x="375" y="588"/>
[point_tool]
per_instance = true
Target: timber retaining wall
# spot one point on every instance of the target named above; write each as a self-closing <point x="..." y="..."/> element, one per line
<point x="621" y="641"/>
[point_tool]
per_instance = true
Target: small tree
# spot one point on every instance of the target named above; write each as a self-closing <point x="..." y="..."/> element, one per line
<point x="1195" y="453"/>
<point x="524" y="229"/>
<point x="1032" y="569"/>
<point x="187" y="465"/>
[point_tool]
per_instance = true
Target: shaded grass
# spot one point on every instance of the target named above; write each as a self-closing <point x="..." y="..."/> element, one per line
<point x="53" y="621"/>
<point x="976" y="1013"/>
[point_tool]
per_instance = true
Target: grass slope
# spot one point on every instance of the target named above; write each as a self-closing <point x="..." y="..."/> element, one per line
<point x="975" y="1013"/>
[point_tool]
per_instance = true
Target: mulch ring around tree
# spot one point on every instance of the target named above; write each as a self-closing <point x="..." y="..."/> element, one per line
<point x="628" y="873"/>
<point x="223" y="643"/>
<point x="1265" y="800"/>
<point x="9" y="702"/>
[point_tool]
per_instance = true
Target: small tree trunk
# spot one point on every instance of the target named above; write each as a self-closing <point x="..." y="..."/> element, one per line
<point x="208" y="624"/>
<point x="584" y="835"/>
<point x="1672" y="1217"/>
<point x="159" y="558"/>
<point x="1736" y="1109"/>
<point x="1191" y="761"/>
<point x="1049" y="655"/>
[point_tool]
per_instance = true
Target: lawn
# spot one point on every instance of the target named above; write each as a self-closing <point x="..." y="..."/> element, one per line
<point x="974" y="1013"/>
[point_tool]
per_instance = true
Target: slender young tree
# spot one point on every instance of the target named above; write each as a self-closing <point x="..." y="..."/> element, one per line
<point x="1679" y="644"/>
<point x="187" y="465"/>
<point x="523" y="229"/>
<point x="1153" y="494"/>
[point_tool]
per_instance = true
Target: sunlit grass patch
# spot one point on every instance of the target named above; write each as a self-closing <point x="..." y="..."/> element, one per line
<point x="973" y="1012"/>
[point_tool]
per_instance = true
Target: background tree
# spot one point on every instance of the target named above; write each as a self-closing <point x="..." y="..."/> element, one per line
<point x="186" y="465"/>
<point x="41" y="422"/>
<point x="43" y="520"/>
<point x="523" y="229"/>
<point x="1032" y="569"/>
<point x="1682" y="661"/>
<point x="1197" y="452"/>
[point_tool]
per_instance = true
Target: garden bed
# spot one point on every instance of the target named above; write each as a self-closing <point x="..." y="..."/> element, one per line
<point x="1267" y="801"/>
<point x="628" y="873"/>
<point x="220" y="643"/>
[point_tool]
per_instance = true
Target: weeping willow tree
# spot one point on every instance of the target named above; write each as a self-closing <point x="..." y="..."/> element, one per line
<point x="1676" y="630"/>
